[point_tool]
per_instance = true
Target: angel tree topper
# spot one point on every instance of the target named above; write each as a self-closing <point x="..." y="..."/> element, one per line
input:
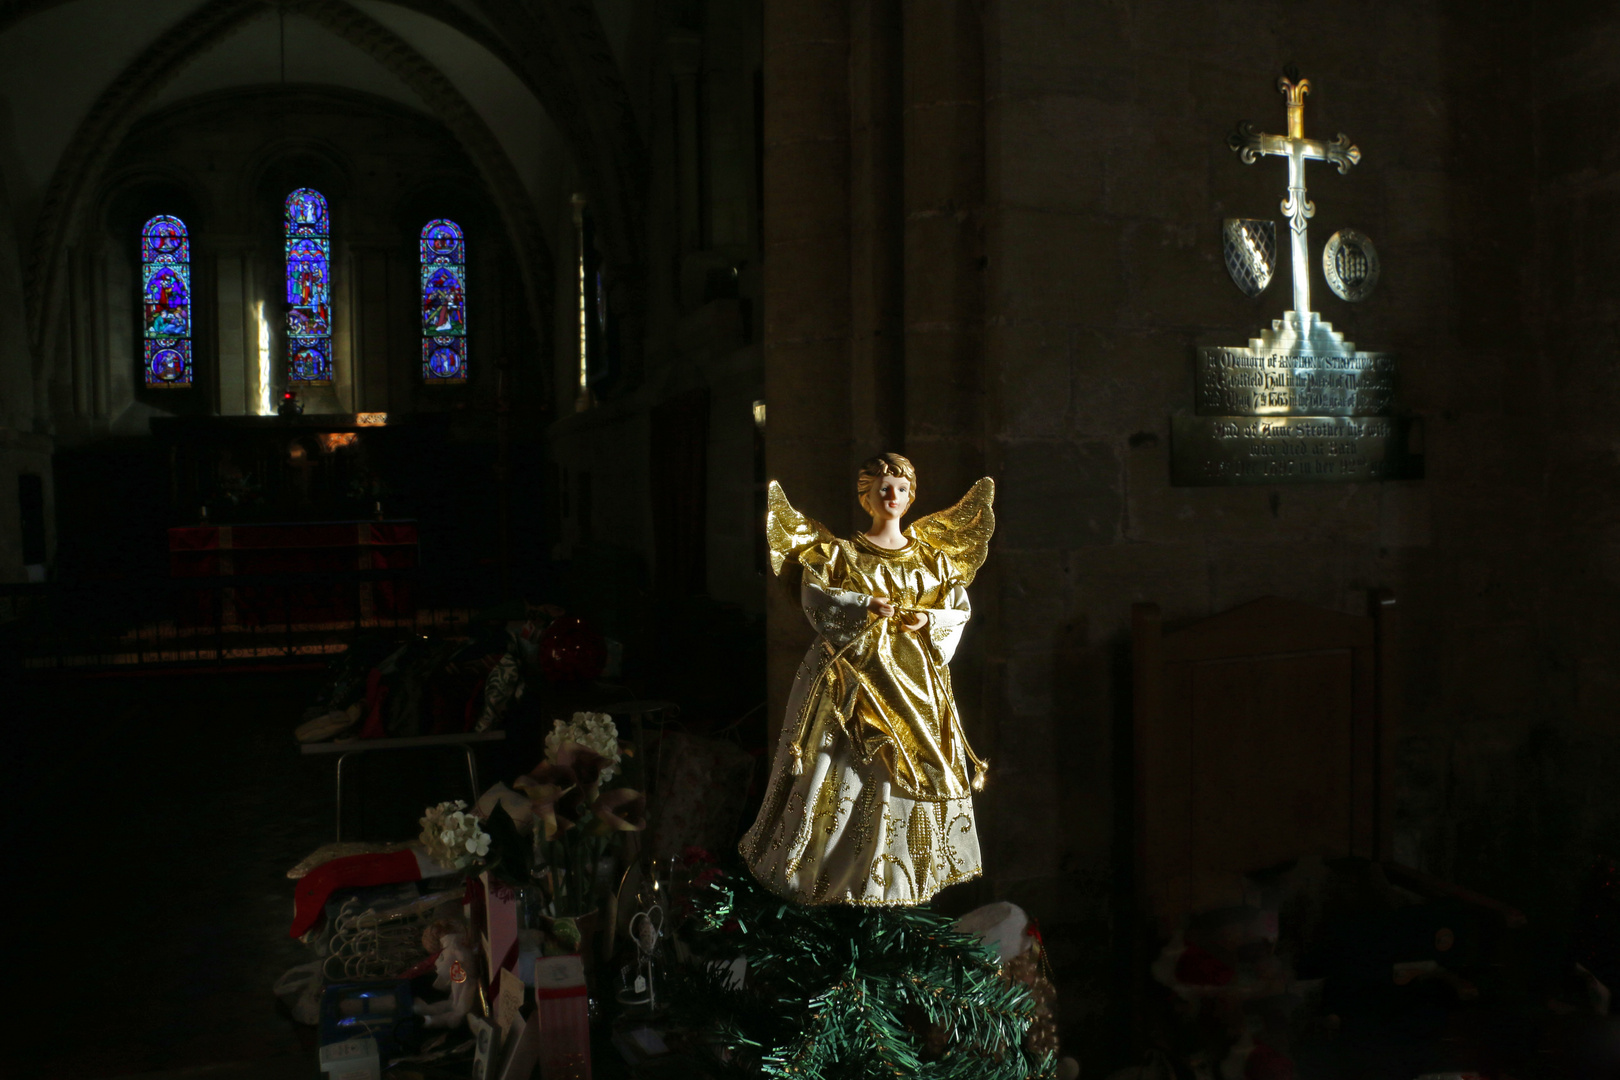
<point x="871" y="797"/>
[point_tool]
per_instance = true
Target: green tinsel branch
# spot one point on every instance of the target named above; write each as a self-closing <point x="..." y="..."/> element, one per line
<point x="847" y="993"/>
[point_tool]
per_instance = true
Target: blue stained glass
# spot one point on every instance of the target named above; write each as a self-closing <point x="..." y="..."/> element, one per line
<point x="168" y="362"/>
<point x="444" y="359"/>
<point x="309" y="288"/>
<point x="443" y="250"/>
<point x="166" y="303"/>
<point x="308" y="272"/>
<point x="166" y="291"/>
<point x="309" y="322"/>
<point x="163" y="240"/>
<point x="306" y="214"/>
<point x="444" y="300"/>
<point x="442" y="242"/>
<point x="309" y="360"/>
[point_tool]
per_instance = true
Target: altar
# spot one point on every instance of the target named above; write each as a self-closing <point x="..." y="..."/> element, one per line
<point x="321" y="566"/>
<point x="283" y="520"/>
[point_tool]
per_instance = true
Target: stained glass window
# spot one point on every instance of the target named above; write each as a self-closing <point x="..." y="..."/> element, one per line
<point x="166" y="302"/>
<point x="444" y="303"/>
<point x="309" y="289"/>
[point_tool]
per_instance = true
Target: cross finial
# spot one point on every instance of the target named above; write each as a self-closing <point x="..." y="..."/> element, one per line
<point x="1294" y="90"/>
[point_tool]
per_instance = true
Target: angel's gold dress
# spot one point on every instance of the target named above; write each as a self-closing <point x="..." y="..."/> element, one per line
<point x="870" y="797"/>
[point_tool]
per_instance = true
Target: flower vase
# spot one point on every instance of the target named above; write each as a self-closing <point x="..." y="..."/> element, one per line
<point x="583" y="935"/>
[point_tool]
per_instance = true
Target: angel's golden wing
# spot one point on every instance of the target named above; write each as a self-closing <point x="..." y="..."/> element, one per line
<point x="962" y="532"/>
<point x="788" y="532"/>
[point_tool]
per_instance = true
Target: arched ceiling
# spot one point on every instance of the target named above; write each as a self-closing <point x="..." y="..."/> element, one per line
<point x="253" y="56"/>
<point x="499" y="94"/>
<point x="54" y="64"/>
<point x="521" y="84"/>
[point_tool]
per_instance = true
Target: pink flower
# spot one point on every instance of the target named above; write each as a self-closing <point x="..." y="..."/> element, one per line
<point x="622" y="809"/>
<point x="556" y="808"/>
<point x="550" y="772"/>
<point x="585" y="763"/>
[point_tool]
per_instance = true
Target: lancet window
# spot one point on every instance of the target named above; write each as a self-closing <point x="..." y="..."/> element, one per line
<point x="444" y="303"/>
<point x="309" y="289"/>
<point x="166" y="303"/>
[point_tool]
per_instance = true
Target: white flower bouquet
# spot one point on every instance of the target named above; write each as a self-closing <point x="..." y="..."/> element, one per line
<point x="452" y="836"/>
<point x="575" y="813"/>
<point x="594" y="731"/>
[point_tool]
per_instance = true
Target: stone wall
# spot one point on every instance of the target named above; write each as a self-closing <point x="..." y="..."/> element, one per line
<point x="1093" y="250"/>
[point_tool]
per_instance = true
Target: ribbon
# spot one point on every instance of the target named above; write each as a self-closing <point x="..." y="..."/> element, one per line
<point x="981" y="766"/>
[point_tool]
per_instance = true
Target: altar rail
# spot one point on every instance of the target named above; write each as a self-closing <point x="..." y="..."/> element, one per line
<point x="215" y="622"/>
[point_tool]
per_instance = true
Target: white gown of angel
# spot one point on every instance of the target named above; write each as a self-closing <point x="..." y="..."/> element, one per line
<point x="870" y="798"/>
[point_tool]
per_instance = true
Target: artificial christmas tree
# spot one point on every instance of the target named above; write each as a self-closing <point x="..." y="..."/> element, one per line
<point x="845" y="992"/>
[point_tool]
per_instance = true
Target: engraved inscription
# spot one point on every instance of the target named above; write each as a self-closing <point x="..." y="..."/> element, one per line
<point x="1251" y="382"/>
<point x="1211" y="450"/>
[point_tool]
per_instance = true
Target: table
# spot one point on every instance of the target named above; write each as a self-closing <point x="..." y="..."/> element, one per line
<point x="345" y="748"/>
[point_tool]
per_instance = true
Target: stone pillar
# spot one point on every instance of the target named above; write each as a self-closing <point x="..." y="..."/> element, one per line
<point x="877" y="227"/>
<point x="944" y="291"/>
<point x="806" y="303"/>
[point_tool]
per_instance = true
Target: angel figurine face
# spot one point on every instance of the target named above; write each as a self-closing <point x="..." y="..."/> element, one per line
<point x="889" y="499"/>
<point x="885" y="486"/>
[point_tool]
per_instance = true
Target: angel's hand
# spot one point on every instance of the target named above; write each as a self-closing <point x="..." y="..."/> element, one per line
<point x="915" y="620"/>
<point x="879" y="606"/>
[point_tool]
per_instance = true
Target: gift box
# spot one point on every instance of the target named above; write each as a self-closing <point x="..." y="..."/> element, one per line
<point x="499" y="929"/>
<point x="377" y="1011"/>
<point x="354" y="1059"/>
<point x="565" y="1034"/>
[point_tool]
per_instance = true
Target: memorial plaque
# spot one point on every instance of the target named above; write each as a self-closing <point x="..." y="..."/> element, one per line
<point x="1284" y="374"/>
<point x="1209" y="451"/>
<point x="1299" y="404"/>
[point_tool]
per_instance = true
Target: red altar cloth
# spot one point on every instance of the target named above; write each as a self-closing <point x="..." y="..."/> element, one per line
<point x="296" y="548"/>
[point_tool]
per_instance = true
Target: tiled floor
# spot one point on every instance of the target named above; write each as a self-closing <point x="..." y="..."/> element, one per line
<point x="150" y="823"/>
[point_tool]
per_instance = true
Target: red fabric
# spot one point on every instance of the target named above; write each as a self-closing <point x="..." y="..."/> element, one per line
<point x="475" y="704"/>
<point x="1264" y="1063"/>
<point x="391" y="533"/>
<point x="200" y="538"/>
<point x="269" y="550"/>
<point x="1198" y="968"/>
<point x="295" y="536"/>
<point x="310" y="895"/>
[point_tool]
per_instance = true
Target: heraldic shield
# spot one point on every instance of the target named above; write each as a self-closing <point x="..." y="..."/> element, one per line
<point x="1251" y="253"/>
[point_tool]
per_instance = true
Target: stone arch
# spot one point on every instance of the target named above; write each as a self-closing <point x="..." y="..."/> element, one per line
<point x="114" y="185"/>
<point x="116" y="110"/>
<point x="93" y="143"/>
<point x="255" y="182"/>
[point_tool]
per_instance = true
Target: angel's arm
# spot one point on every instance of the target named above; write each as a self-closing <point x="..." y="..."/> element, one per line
<point x="944" y="619"/>
<point x="836" y="614"/>
<point x="945" y="624"/>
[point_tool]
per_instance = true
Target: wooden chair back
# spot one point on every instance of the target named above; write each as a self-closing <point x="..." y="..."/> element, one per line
<point x="1261" y="734"/>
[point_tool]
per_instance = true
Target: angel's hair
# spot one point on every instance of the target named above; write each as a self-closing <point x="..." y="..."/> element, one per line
<point x="875" y="469"/>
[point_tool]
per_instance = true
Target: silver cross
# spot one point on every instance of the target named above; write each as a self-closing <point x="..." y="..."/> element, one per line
<point x="1251" y="144"/>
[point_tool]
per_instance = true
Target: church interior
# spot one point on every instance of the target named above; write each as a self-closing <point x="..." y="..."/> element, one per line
<point x="435" y="371"/>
